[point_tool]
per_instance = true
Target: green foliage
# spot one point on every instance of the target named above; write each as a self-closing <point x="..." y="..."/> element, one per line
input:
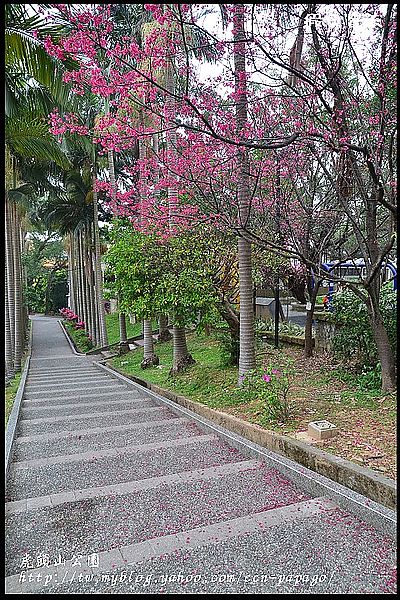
<point x="135" y="265"/>
<point x="80" y="337"/>
<point x="44" y="261"/>
<point x="153" y="276"/>
<point x="11" y="392"/>
<point x="354" y="339"/>
<point x="270" y="385"/>
<point x="365" y="385"/>
<point x="228" y="346"/>
<point x="285" y="327"/>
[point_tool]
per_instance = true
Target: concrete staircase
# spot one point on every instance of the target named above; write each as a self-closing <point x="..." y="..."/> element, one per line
<point x="111" y="491"/>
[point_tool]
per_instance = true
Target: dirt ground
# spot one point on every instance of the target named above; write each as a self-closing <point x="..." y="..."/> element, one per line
<point x="366" y="421"/>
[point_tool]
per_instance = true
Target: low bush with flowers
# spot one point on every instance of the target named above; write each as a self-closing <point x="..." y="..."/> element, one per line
<point x="73" y="318"/>
<point x="76" y="328"/>
<point x="270" y="385"/>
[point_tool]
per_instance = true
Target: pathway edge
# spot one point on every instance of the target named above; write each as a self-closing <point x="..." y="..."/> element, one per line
<point x="12" y="422"/>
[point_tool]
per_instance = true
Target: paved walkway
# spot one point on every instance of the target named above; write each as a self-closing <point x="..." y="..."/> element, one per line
<point x="110" y="491"/>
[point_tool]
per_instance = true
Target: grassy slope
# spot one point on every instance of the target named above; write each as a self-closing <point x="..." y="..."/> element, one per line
<point x="206" y="381"/>
<point x="11" y="392"/>
<point x="112" y="324"/>
<point x="365" y="419"/>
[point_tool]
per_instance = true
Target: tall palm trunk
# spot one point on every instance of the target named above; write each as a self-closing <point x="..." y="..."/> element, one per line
<point x="24" y="284"/>
<point x="85" y="317"/>
<point x="19" y="336"/>
<point x="164" y="334"/>
<point x="181" y="355"/>
<point x="8" y="344"/>
<point x="95" y="333"/>
<point x="89" y="316"/>
<point x="71" y="267"/>
<point x="150" y="359"/>
<point x="81" y="312"/>
<point x="98" y="272"/>
<point x="123" y="346"/>
<point x="10" y="285"/>
<point x="247" y="357"/>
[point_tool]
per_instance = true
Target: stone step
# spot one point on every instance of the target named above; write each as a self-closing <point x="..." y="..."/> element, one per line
<point x="93" y="398"/>
<point x="151" y="511"/>
<point x="70" y="410"/>
<point x="277" y="551"/>
<point x="101" y="438"/>
<point x="81" y="383"/>
<point x="79" y="390"/>
<point x="66" y="377"/>
<point x="44" y="371"/>
<point x="62" y="371"/>
<point x="53" y="362"/>
<point x="49" y="479"/>
<point x="106" y="419"/>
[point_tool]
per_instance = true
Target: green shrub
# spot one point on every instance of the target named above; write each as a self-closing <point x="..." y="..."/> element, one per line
<point x="285" y="328"/>
<point x="270" y="385"/>
<point x="353" y="339"/>
<point x="80" y="337"/>
<point x="228" y="347"/>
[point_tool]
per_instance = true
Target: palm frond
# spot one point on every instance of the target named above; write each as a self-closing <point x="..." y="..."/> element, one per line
<point x="29" y="136"/>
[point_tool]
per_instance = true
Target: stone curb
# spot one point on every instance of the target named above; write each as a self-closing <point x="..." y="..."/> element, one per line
<point x="12" y="422"/>
<point x="364" y="481"/>
<point x="296" y="340"/>
<point x="130" y="340"/>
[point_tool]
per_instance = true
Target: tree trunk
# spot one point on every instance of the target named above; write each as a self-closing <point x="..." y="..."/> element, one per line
<point x="123" y="346"/>
<point x="98" y="272"/>
<point x="164" y="334"/>
<point x="82" y="312"/>
<point x="308" y="339"/>
<point x="182" y="359"/>
<point x="10" y="287"/>
<point x="8" y="343"/>
<point x="385" y="353"/>
<point x="247" y="353"/>
<point x="181" y="356"/>
<point x="88" y="271"/>
<point x="24" y="285"/>
<point x="79" y="310"/>
<point x="95" y="332"/>
<point x="17" y="291"/>
<point x="71" y="283"/>
<point x="150" y="359"/>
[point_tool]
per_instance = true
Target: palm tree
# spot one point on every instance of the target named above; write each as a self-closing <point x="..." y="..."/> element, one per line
<point x="247" y="358"/>
<point x="181" y="355"/>
<point x="33" y="81"/>
<point x="73" y="214"/>
<point x="97" y="264"/>
<point x="150" y="359"/>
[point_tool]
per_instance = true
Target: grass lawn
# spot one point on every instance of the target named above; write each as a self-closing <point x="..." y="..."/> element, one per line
<point x="11" y="392"/>
<point x="320" y="389"/>
<point x="112" y="323"/>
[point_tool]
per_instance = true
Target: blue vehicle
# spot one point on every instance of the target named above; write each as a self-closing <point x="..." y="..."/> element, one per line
<point x="354" y="271"/>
